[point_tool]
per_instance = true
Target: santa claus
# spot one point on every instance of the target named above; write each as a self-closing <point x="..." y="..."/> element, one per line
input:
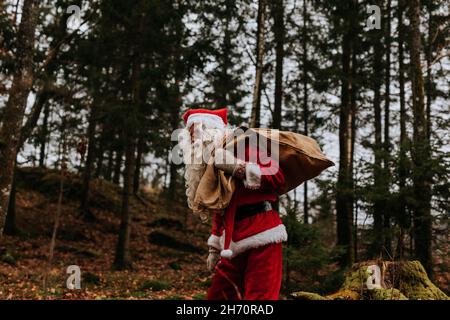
<point x="245" y="245"/>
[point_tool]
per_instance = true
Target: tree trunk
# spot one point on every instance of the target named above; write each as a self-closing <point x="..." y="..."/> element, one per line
<point x="132" y="127"/>
<point x="173" y="167"/>
<point x="10" y="224"/>
<point x="43" y="135"/>
<point x="100" y="151"/>
<point x="109" y="168"/>
<point x="63" y="166"/>
<point x="87" y="172"/>
<point x="386" y="171"/>
<point x="403" y="219"/>
<point x="260" y="41"/>
<point x="378" y="208"/>
<point x="279" y="31"/>
<point x="305" y="102"/>
<point x="344" y="192"/>
<point x="421" y="149"/>
<point x="137" y="171"/>
<point x="353" y="110"/>
<point x="122" y="258"/>
<point x="222" y="91"/>
<point x="118" y="159"/>
<point x="40" y="103"/>
<point x="15" y="107"/>
<point x="429" y="57"/>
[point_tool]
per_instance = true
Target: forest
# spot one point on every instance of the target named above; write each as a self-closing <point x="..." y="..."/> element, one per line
<point x="91" y="92"/>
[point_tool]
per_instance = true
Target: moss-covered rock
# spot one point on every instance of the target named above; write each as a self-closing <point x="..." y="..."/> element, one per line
<point x="414" y="283"/>
<point x="399" y="281"/>
<point x="345" y="294"/>
<point x="386" y="294"/>
<point x="355" y="279"/>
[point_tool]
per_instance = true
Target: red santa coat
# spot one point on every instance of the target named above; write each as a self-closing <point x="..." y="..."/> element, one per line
<point x="264" y="180"/>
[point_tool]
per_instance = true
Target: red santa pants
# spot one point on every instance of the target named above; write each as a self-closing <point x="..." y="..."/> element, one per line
<point x="252" y="275"/>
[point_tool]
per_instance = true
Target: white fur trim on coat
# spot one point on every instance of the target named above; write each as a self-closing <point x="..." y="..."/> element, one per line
<point x="274" y="235"/>
<point x="252" y="176"/>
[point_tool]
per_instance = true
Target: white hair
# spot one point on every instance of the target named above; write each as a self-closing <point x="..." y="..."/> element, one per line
<point x="196" y="155"/>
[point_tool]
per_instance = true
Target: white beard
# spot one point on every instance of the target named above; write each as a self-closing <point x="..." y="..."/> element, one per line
<point x="196" y="156"/>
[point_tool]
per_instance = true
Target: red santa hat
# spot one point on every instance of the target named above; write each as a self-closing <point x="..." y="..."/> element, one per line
<point x="212" y="119"/>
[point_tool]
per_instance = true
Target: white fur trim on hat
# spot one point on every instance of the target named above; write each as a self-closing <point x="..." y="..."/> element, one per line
<point x="211" y="121"/>
<point x="273" y="235"/>
<point x="252" y="176"/>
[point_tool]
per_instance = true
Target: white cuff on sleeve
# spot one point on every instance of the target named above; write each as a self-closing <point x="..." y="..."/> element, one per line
<point x="214" y="241"/>
<point x="252" y="176"/>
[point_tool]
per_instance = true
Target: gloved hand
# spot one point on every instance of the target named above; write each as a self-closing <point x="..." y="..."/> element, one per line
<point x="225" y="160"/>
<point x="213" y="258"/>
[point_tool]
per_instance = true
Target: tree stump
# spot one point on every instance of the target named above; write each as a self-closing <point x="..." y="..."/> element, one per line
<point x="401" y="280"/>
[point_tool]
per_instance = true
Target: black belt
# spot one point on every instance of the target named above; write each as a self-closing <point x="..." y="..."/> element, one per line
<point x="249" y="210"/>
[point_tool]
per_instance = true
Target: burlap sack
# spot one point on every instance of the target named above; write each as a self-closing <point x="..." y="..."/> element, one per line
<point x="299" y="156"/>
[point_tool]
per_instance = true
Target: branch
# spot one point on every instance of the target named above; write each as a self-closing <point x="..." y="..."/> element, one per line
<point x="52" y="52"/>
<point x="437" y="59"/>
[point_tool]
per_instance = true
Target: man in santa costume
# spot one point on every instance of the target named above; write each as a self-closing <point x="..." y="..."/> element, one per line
<point x="245" y="245"/>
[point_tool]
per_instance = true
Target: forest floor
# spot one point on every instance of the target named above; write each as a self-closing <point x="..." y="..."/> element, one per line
<point x="168" y="244"/>
<point x="176" y="269"/>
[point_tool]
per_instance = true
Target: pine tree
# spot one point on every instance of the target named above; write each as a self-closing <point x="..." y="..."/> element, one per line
<point x="344" y="194"/>
<point x="421" y="148"/>
<point x="260" y="45"/>
<point x="279" y="31"/>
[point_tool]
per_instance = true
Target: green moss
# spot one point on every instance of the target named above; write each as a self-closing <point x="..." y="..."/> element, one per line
<point x="402" y="281"/>
<point x="345" y="294"/>
<point x="303" y="295"/>
<point x="386" y="294"/>
<point x="355" y="279"/>
<point x="415" y="284"/>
